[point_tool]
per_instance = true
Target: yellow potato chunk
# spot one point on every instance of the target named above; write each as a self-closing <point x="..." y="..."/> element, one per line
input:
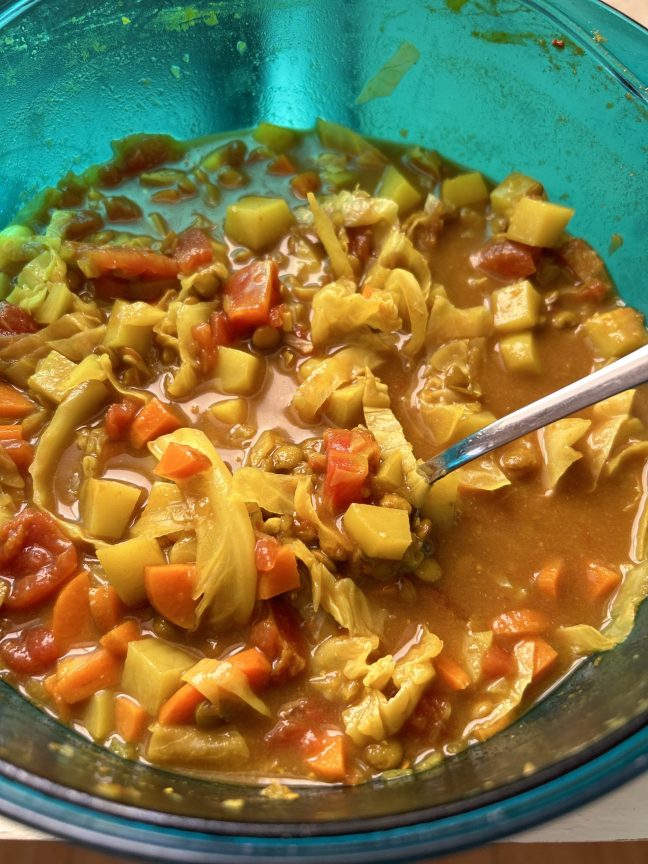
<point x="50" y="377"/>
<point x="124" y="565"/>
<point x="107" y="506"/>
<point x="240" y="372"/>
<point x="58" y="301"/>
<point x="505" y="196"/>
<point x="344" y="406"/>
<point x="230" y="411"/>
<point x="464" y="190"/>
<point x="380" y="532"/>
<point x="258" y="222"/>
<point x="390" y="473"/>
<point x="538" y="223"/>
<point x="398" y="189"/>
<point x="617" y="332"/>
<point x="131" y="324"/>
<point x="441" y="500"/>
<point x="153" y="671"/>
<point x="99" y="714"/>
<point x="520" y="353"/>
<point x="516" y="307"/>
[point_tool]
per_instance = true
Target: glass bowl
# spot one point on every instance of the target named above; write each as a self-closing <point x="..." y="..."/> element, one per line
<point x="492" y="90"/>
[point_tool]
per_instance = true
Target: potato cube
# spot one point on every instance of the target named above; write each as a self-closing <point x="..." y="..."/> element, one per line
<point x="99" y="714"/>
<point x="58" y="301"/>
<point x="107" y="507"/>
<point x="124" y="565"/>
<point x="516" y="307"/>
<point x="230" y="411"/>
<point x="50" y="376"/>
<point x="389" y="476"/>
<point x="505" y="196"/>
<point x="153" y="671"/>
<point x="538" y="223"/>
<point x="398" y="189"/>
<point x="258" y="222"/>
<point x="89" y="369"/>
<point x="131" y="324"/>
<point x="441" y="500"/>
<point x="520" y="353"/>
<point x="380" y="532"/>
<point x="464" y="190"/>
<point x="344" y="406"/>
<point x="240" y="372"/>
<point x="617" y="332"/>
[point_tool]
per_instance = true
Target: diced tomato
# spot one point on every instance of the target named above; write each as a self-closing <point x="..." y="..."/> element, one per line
<point x="353" y="441"/>
<point x="250" y="294"/>
<point x="119" y="417"/>
<point x="360" y="243"/>
<point x="14" y="320"/>
<point x="84" y="222"/>
<point x="122" y="209"/>
<point x="277" y="567"/>
<point x="506" y="259"/>
<point x="125" y="262"/>
<point x="208" y="336"/>
<point x="35" y="557"/>
<point x="31" y="652"/>
<point x="20" y="452"/>
<point x="582" y="260"/>
<point x="277" y="634"/>
<point x="521" y="622"/>
<point x="298" y="725"/>
<point x="497" y="663"/>
<point x="430" y="716"/>
<point x="110" y="288"/>
<point x="351" y="454"/>
<point x="593" y="291"/>
<point x="193" y="250"/>
<point x="138" y="153"/>
<point x="304" y="183"/>
<point x="281" y="166"/>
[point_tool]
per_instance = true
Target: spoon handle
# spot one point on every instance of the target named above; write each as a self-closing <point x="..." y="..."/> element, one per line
<point x="629" y="371"/>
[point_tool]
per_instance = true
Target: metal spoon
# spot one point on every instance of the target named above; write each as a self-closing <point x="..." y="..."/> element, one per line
<point x="629" y="371"/>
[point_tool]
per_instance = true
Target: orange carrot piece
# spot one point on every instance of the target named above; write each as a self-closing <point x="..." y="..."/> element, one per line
<point x="13" y="403"/>
<point x="497" y="663"/>
<point x="282" y="576"/>
<point x="282" y="165"/>
<point x="117" y="639"/>
<point x="180" y="461"/>
<point x="180" y="708"/>
<point x="521" y="622"/>
<point x="131" y="719"/>
<point x="544" y="657"/>
<point x="547" y="579"/>
<point x="81" y="676"/>
<point x="11" y="433"/>
<point x="330" y="763"/>
<point x="62" y="708"/>
<point x="170" y="588"/>
<point x="72" y="622"/>
<point x="106" y="608"/>
<point x="255" y="664"/>
<point x="450" y="673"/>
<point x="151" y="421"/>
<point x="600" y="581"/>
<point x="20" y="452"/>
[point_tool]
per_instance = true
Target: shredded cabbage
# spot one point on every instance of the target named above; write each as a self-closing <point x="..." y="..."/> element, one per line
<point x="340" y="264"/>
<point x="484" y="476"/>
<point x="331" y="539"/>
<point x="213" y="677"/>
<point x="202" y="748"/>
<point x="354" y="209"/>
<point x="272" y="492"/>
<point x="166" y="512"/>
<point x="187" y="315"/>
<point x="402" y="284"/>
<point x="556" y="444"/>
<point x="338" y="310"/>
<point x="447" y="322"/>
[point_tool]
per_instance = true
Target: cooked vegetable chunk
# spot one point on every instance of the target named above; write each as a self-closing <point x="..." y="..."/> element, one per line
<point x="378" y="531"/>
<point x="258" y="222"/>
<point x="538" y="223"/>
<point x="520" y="353"/>
<point x="617" y="332"/>
<point x="464" y="190"/>
<point x="108" y="507"/>
<point x="153" y="671"/>
<point x="124" y="565"/>
<point x="506" y="194"/>
<point x="239" y="372"/>
<point x="398" y="188"/>
<point x="516" y="307"/>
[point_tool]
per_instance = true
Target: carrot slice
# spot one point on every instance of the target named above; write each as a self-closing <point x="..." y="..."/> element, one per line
<point x="106" y="608"/>
<point x="151" y="421"/>
<point x="547" y="579"/>
<point x="130" y="719"/>
<point x="180" y="461"/>
<point x="521" y="622"/>
<point x="72" y="621"/>
<point x="450" y="673"/>
<point x="170" y="588"/>
<point x="544" y="657"/>
<point x="117" y="639"/>
<point x="80" y="677"/>
<point x="255" y="664"/>
<point x="180" y="708"/>
<point x="277" y="566"/>
<point x="11" y="433"/>
<point x="330" y="763"/>
<point x="600" y="581"/>
<point x="497" y="663"/>
<point x="13" y="403"/>
<point x="51" y="687"/>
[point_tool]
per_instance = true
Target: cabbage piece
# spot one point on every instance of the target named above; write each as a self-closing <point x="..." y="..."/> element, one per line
<point x="388" y="432"/>
<point x="37" y="279"/>
<point x="449" y="422"/>
<point x="225" y="565"/>
<point x="556" y="444"/>
<point x="205" y="282"/>
<point x="15" y="245"/>
<point x="331" y="539"/>
<point x="215" y="677"/>
<point x="187" y="315"/>
<point x="385" y="81"/>
<point x="341" y="598"/>
<point x="355" y="209"/>
<point x="340" y="264"/>
<point x="200" y="748"/>
<point x="403" y="284"/>
<point x="513" y="692"/>
<point x="339" y="663"/>
<point x="338" y="137"/>
<point x="272" y="492"/>
<point x="447" y="322"/>
<point x="338" y="310"/>
<point x="583" y="639"/>
<point x="474" y="649"/>
<point x="630" y="451"/>
<point x="10" y="477"/>
<point x="7" y="508"/>
<point x="377" y="716"/>
<point x="484" y="476"/>
<point x="398" y="251"/>
<point x="165" y="512"/>
<point x="609" y="418"/>
<point x="331" y="373"/>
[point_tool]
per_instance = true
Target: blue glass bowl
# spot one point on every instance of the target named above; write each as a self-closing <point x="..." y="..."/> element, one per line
<point x="491" y="90"/>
